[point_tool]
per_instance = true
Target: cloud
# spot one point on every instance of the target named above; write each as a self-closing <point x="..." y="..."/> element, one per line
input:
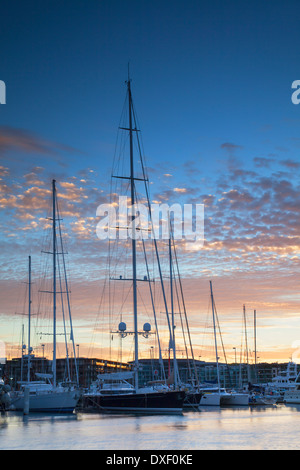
<point x="252" y="229"/>
<point x="15" y="142"/>
<point x="26" y="202"/>
<point x="290" y="164"/>
<point x="180" y="190"/>
<point x="3" y="171"/>
<point x="263" y="162"/>
<point x="230" y="147"/>
<point x="32" y="179"/>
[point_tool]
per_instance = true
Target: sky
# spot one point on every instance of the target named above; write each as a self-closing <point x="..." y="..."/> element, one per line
<point x="212" y="86"/>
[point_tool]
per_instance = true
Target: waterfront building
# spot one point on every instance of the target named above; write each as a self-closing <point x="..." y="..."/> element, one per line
<point x="15" y="370"/>
<point x="231" y="375"/>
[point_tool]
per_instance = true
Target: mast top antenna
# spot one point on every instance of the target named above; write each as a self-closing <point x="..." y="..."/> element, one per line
<point x="128" y="73"/>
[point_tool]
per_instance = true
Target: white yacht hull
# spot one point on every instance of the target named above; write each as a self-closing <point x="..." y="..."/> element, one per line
<point x="235" y="399"/>
<point x="210" y="399"/>
<point x="292" y="397"/>
<point x="262" y="400"/>
<point x="59" y="402"/>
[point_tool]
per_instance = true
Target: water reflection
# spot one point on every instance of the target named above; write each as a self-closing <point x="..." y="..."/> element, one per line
<point x="219" y="428"/>
<point x="18" y="418"/>
<point x="293" y="407"/>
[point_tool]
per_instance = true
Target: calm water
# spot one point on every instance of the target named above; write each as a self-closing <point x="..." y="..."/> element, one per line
<point x="230" y="428"/>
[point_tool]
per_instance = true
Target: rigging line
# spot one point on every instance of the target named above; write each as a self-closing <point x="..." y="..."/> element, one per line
<point x="102" y="299"/>
<point x="155" y="244"/>
<point x="60" y="283"/>
<point x="206" y="329"/>
<point x="242" y="357"/>
<point x="108" y="270"/>
<point x="246" y="340"/>
<point x="124" y="300"/>
<point x="225" y="357"/>
<point x="107" y="284"/>
<point x="171" y="333"/>
<point x="115" y="284"/>
<point x="139" y="138"/>
<point x="67" y="291"/>
<point x="16" y="315"/>
<point x="113" y="246"/>
<point x="63" y="316"/>
<point x="43" y="269"/>
<point x="219" y="329"/>
<point x="142" y="299"/>
<point x="182" y="325"/>
<point x="119" y="167"/>
<point x="184" y="309"/>
<point x="118" y="133"/>
<point x="154" y="313"/>
<point x="180" y="313"/>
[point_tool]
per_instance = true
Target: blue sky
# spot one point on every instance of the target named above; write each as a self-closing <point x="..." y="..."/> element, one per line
<point x="211" y="83"/>
<point x="215" y="71"/>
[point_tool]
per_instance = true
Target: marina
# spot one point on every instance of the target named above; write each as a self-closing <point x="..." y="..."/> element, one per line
<point x="125" y="391"/>
<point x="275" y="428"/>
<point x="149" y="197"/>
<point x="112" y="393"/>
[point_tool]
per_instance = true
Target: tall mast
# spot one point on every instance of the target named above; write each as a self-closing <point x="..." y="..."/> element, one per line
<point x="246" y="343"/>
<point x="23" y="346"/>
<point x="29" y="315"/>
<point x="255" y="351"/>
<point x="54" y="280"/>
<point x="133" y="241"/>
<point x="172" y="308"/>
<point x="215" y="335"/>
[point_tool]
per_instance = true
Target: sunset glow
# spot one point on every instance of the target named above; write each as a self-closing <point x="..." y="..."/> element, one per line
<point x="219" y="129"/>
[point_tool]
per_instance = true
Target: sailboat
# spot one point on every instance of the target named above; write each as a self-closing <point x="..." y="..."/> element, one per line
<point x="122" y="396"/>
<point x="45" y="394"/>
<point x="218" y="396"/>
<point x="258" y="393"/>
<point x="212" y="395"/>
<point x="193" y="394"/>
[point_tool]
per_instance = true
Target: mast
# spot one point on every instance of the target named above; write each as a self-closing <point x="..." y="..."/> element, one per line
<point x="214" y="324"/>
<point x="22" y="356"/>
<point x="172" y="309"/>
<point x="185" y="315"/>
<point x="255" y="351"/>
<point x="29" y="316"/>
<point x="246" y="343"/>
<point x="54" y="281"/>
<point x="155" y="245"/>
<point x="133" y="241"/>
